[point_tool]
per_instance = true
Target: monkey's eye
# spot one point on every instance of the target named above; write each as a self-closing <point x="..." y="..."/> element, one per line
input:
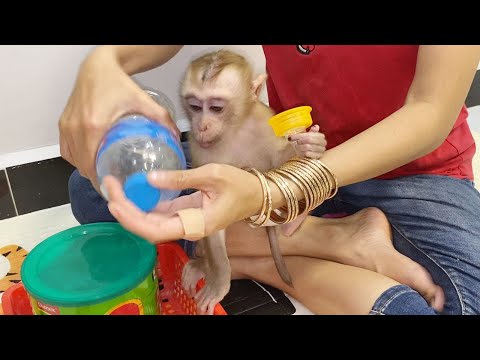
<point x="195" y="108"/>
<point x="217" y="109"/>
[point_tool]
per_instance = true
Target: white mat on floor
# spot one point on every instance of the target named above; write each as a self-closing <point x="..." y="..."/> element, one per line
<point x="30" y="229"/>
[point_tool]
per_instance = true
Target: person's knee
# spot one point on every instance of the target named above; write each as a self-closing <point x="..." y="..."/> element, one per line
<point x="75" y="190"/>
<point x="88" y="206"/>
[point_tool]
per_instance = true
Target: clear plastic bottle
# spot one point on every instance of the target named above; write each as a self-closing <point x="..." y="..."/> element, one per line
<point x="134" y="146"/>
<point x="161" y="99"/>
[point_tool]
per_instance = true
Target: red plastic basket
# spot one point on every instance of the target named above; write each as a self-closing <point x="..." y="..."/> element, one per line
<point x="174" y="301"/>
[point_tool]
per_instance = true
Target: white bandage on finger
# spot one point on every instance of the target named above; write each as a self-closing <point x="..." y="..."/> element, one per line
<point x="193" y="223"/>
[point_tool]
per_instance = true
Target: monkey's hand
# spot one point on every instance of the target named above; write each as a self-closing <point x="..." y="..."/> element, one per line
<point x="311" y="144"/>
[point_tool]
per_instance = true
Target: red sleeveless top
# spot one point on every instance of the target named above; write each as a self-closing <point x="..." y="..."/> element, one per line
<point x="351" y="88"/>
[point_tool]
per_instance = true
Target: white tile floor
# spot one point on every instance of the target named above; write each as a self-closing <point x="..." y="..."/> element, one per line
<point x="28" y="230"/>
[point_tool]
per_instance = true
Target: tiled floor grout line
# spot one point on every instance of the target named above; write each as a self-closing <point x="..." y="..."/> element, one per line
<point x="11" y="192"/>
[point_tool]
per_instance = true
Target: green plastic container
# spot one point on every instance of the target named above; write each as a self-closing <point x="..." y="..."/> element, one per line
<point x="95" y="269"/>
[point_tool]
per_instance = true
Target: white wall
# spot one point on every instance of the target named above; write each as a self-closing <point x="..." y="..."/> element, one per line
<point x="37" y="80"/>
<point x="474" y="116"/>
<point x="474" y="119"/>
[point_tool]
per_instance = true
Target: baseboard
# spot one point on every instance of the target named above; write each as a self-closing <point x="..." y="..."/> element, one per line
<point x="29" y="156"/>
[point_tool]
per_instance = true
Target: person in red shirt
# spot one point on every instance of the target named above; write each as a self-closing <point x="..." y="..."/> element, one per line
<point x="352" y="88"/>
<point x="398" y="142"/>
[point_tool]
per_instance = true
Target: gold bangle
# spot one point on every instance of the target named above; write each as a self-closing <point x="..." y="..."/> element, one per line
<point x="266" y="210"/>
<point x="290" y="197"/>
<point x="305" y="203"/>
<point x="332" y="174"/>
<point x="322" y="181"/>
<point x="275" y="217"/>
<point x="326" y="184"/>
<point x="317" y="182"/>
<point x="332" y="179"/>
<point x="312" y="179"/>
<point x="310" y="193"/>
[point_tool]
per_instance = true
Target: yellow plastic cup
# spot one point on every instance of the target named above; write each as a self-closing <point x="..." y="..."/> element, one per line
<point x="292" y="121"/>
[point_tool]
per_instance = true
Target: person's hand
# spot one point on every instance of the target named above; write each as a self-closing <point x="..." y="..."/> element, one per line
<point x="103" y="92"/>
<point x="310" y="144"/>
<point x="227" y="195"/>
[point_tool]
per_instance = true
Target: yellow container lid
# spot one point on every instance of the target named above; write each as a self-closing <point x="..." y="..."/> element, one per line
<point x="290" y="119"/>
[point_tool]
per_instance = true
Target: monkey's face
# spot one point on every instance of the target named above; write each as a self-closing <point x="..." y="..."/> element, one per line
<point x="209" y="118"/>
<point x="215" y="106"/>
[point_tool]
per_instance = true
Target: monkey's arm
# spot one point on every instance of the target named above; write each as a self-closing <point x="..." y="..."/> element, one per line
<point x="139" y="58"/>
<point x="443" y="77"/>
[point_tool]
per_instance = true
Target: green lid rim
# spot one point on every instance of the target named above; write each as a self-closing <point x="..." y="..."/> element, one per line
<point x="67" y="303"/>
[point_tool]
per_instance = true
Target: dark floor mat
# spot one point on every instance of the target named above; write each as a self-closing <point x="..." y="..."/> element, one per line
<point x="246" y="297"/>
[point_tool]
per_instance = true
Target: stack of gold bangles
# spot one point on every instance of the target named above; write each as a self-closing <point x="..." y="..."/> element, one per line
<point x="313" y="177"/>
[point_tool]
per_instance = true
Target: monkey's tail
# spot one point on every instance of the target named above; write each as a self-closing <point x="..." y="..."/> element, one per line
<point x="277" y="256"/>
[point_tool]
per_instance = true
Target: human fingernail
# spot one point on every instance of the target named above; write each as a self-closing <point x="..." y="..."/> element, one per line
<point x="153" y="175"/>
<point x="156" y="175"/>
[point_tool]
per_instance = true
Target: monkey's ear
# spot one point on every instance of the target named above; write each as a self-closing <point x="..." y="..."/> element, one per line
<point x="257" y="84"/>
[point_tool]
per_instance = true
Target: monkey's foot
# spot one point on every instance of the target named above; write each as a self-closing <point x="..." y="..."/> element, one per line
<point x="193" y="271"/>
<point x="217" y="285"/>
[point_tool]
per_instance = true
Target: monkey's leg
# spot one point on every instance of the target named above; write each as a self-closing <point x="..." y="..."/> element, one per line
<point x="217" y="273"/>
<point x="193" y="271"/>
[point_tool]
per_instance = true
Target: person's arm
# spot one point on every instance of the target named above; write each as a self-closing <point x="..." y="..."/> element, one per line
<point x="135" y="59"/>
<point x="103" y="92"/>
<point x="442" y="80"/>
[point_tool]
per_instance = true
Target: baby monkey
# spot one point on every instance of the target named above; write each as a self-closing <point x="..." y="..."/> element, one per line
<point x="229" y="125"/>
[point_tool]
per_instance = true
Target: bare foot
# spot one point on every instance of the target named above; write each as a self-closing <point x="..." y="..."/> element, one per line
<point x="217" y="286"/>
<point x="217" y="277"/>
<point x="192" y="272"/>
<point x="366" y="242"/>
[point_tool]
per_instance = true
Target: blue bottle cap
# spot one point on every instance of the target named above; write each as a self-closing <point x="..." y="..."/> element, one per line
<point x="138" y="190"/>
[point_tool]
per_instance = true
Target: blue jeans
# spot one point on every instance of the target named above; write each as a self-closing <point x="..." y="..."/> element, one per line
<point x="435" y="221"/>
